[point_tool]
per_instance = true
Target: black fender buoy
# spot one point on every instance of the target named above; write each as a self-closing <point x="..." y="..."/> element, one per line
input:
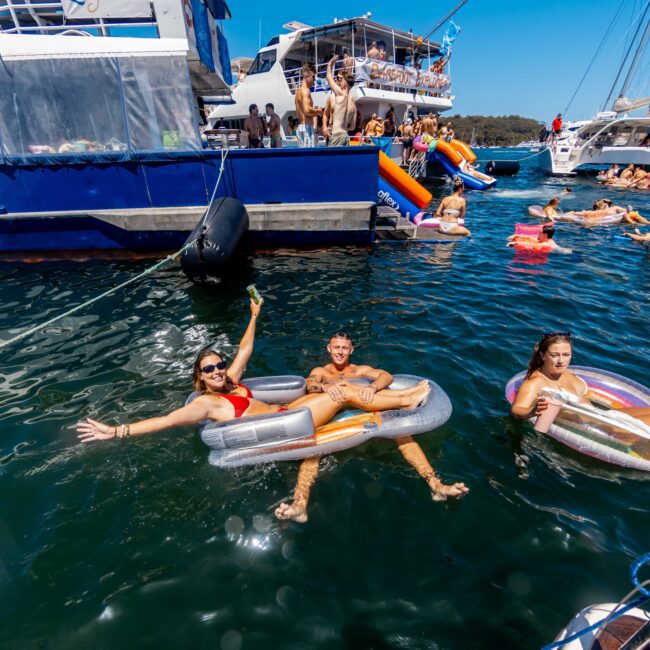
<point x="215" y="239"/>
<point x="502" y="167"/>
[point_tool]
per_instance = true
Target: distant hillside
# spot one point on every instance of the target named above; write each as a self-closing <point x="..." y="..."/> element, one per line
<point x="505" y="131"/>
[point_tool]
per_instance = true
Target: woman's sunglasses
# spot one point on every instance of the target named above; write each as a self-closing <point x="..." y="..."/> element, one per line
<point x="214" y="366"/>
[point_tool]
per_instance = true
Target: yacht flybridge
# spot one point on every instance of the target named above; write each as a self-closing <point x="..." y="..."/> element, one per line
<point x="399" y="76"/>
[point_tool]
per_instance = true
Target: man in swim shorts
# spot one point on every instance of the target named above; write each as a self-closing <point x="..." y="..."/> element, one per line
<point x="305" y="109"/>
<point x="254" y="126"/>
<point x="274" y="126"/>
<point x="344" y="108"/>
<point x="333" y="379"/>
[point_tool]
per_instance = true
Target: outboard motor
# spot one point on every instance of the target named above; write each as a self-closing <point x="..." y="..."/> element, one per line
<point x="215" y="239"/>
<point x="502" y="167"/>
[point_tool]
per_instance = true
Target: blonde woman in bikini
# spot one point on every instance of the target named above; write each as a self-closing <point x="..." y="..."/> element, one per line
<point x="451" y="209"/>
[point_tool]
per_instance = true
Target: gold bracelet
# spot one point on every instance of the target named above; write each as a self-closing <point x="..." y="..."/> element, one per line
<point x="115" y="431"/>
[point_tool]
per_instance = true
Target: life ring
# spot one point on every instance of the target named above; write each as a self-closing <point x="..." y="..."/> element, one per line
<point x="290" y="435"/>
<point x="608" y="435"/>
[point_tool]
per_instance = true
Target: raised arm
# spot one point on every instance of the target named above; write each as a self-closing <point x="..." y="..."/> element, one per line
<point x="196" y="411"/>
<point x="245" y="351"/>
<point x="330" y="77"/>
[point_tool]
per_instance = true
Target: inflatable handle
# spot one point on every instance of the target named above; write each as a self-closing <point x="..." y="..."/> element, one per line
<point x="634" y="574"/>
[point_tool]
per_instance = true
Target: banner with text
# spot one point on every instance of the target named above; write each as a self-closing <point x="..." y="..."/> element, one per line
<point x="106" y="8"/>
<point x="390" y="74"/>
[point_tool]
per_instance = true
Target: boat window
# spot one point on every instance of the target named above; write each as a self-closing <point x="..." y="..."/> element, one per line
<point x="264" y="61"/>
<point x="274" y="41"/>
<point x="104" y="108"/>
<point x="159" y="105"/>
<point x="77" y="108"/>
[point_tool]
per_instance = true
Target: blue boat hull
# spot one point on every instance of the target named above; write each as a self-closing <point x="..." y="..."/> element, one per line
<point x="50" y="207"/>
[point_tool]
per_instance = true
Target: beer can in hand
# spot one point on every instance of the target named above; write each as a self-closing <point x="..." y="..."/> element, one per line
<point x="254" y="294"/>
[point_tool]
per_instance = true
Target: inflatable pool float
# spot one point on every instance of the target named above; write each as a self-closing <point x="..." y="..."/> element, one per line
<point x="290" y="435"/>
<point x="621" y="629"/>
<point x="428" y="220"/>
<point x="538" y="212"/>
<point x="525" y="239"/>
<point x="608" y="435"/>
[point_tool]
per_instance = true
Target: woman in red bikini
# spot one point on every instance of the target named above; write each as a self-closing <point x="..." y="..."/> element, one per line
<point x="223" y="398"/>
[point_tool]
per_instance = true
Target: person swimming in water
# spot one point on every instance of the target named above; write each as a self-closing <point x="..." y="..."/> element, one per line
<point x="544" y="238"/>
<point x="549" y="368"/>
<point x="451" y="209"/>
<point x="551" y="209"/>
<point x="637" y="235"/>
<point x="335" y="379"/>
<point x="222" y="398"/>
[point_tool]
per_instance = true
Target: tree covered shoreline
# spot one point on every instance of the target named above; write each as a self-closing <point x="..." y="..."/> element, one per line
<point x="487" y="130"/>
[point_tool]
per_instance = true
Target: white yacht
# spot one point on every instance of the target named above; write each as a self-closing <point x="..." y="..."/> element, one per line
<point x="400" y="79"/>
<point x="616" y="136"/>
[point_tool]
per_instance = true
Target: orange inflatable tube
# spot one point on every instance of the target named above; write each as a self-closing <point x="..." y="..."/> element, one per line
<point x="447" y="150"/>
<point x="402" y="182"/>
<point x="464" y="150"/>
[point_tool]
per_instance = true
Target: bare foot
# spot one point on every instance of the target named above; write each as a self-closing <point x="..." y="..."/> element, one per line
<point x="419" y="393"/>
<point x="444" y="492"/>
<point x="286" y="511"/>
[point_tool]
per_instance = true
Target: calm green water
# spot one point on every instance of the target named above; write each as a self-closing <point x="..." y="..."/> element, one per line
<point x="145" y="545"/>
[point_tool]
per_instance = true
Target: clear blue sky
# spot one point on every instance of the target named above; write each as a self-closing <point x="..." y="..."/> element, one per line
<point x="522" y="57"/>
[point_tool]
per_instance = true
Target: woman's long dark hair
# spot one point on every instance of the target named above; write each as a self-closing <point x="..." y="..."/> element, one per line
<point x="197" y="382"/>
<point x="536" y="361"/>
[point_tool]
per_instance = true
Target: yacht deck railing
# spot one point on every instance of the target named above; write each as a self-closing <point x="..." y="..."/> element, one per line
<point x="294" y="79"/>
<point x="34" y="16"/>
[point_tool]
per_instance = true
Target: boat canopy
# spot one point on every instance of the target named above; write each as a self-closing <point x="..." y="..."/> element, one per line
<point x="70" y="99"/>
<point x="357" y="34"/>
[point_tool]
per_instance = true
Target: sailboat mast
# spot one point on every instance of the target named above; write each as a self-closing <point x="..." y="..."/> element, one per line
<point x="635" y="61"/>
<point x="627" y="54"/>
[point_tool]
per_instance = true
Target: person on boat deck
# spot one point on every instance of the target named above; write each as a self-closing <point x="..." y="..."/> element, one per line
<point x="646" y="141"/>
<point x="334" y="380"/>
<point x="451" y="209"/>
<point x="556" y="125"/>
<point x="255" y="127"/>
<point x="373" y="51"/>
<point x="549" y="368"/>
<point x="305" y="109"/>
<point x="430" y="125"/>
<point x="222" y="398"/>
<point x="274" y="126"/>
<point x="343" y="106"/>
<point x="374" y="127"/>
<point x="389" y="123"/>
<point x="406" y="133"/>
<point x="348" y="63"/>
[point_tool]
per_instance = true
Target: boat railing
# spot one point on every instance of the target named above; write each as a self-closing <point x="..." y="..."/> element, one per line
<point x="25" y="17"/>
<point x="294" y="80"/>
